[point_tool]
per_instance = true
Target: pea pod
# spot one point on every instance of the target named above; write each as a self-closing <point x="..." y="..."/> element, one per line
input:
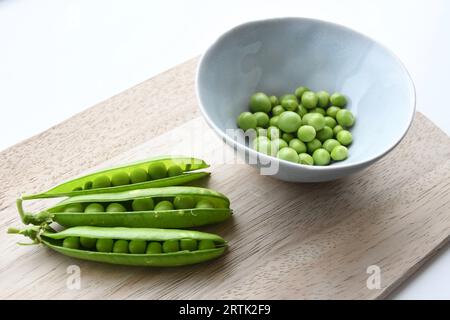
<point x="135" y="246"/>
<point x="205" y="207"/>
<point x="152" y="173"/>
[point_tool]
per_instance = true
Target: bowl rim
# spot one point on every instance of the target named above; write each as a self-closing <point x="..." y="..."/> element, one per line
<point x="334" y="166"/>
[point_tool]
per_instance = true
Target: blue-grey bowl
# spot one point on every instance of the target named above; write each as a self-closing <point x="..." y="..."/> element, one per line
<point x="276" y="56"/>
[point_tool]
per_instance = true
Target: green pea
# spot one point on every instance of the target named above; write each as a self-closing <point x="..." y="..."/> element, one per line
<point x="289" y="121"/>
<point x="345" y="118"/>
<point x="317" y="121"/>
<point x="88" y="243"/>
<point x="298" y="145"/>
<point x="306" y="118"/>
<point x="330" y="144"/>
<point x="289" y="104"/>
<point x="137" y="246"/>
<point x="262" y="144"/>
<point x="300" y="91"/>
<point x="144" y="204"/>
<point x="120" y="179"/>
<point x="344" y="137"/>
<point x="120" y="246"/>
<point x="277" y="144"/>
<point x="273" y="132"/>
<point x="174" y="170"/>
<point x="164" y="205"/>
<point x="101" y="182"/>
<point x="313" y="145"/>
<point x="204" y="204"/>
<point x="206" y="244"/>
<point x="304" y="158"/>
<point x="94" y="208"/>
<point x="306" y="133"/>
<point x="184" y="202"/>
<point x="319" y="110"/>
<point x="246" y="121"/>
<point x="273" y="122"/>
<point x="115" y="207"/>
<point x="157" y="170"/>
<point x="288" y="154"/>
<point x="154" y="248"/>
<point x="262" y="119"/>
<point x="170" y="246"/>
<point x="88" y="185"/>
<point x="71" y="243"/>
<point x="321" y="157"/>
<point x="323" y="99"/>
<point x="287" y="137"/>
<point x="330" y="122"/>
<point x="309" y="100"/>
<point x="274" y="101"/>
<point x="324" y="134"/>
<point x="77" y="189"/>
<point x="74" y="207"/>
<point x="339" y="153"/>
<point x="277" y="110"/>
<point x="138" y="175"/>
<point x="104" y="245"/>
<point x="302" y="111"/>
<point x="337" y="99"/>
<point x="331" y="111"/>
<point x="288" y="97"/>
<point x="337" y="129"/>
<point x="260" y="102"/>
<point x="261" y="132"/>
<point x="188" y="244"/>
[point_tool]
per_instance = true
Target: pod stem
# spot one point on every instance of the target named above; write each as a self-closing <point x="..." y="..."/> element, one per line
<point x="19" y="204"/>
<point x="43" y="217"/>
<point x="34" y="233"/>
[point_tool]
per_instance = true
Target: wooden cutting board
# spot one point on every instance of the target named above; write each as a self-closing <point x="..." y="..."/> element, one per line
<point x="286" y="240"/>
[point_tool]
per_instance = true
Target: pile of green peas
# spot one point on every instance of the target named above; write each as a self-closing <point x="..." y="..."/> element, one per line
<point x="142" y="204"/>
<point x="309" y="128"/>
<point x="136" y="246"/>
<point x="154" y="171"/>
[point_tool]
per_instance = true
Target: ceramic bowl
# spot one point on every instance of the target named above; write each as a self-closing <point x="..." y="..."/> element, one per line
<point x="276" y="56"/>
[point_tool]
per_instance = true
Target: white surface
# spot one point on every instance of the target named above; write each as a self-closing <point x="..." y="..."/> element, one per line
<point x="58" y="58"/>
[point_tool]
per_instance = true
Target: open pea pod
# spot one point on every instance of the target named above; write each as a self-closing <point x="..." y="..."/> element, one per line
<point x="168" y="207"/>
<point x="131" y="246"/>
<point x="151" y="173"/>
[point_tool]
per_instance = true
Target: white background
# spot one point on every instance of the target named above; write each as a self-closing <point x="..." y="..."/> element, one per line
<point x="58" y="58"/>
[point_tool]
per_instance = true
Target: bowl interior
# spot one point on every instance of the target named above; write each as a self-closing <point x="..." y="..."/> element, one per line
<point x="276" y="56"/>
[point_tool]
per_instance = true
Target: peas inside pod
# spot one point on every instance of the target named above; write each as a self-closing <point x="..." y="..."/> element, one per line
<point x="154" y="171"/>
<point x="141" y="204"/>
<point x="151" y="173"/>
<point x="306" y="127"/>
<point x="168" y="207"/>
<point x="130" y="246"/>
<point x="135" y="246"/>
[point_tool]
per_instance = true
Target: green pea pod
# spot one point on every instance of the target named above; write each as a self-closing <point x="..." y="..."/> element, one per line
<point x="180" y="257"/>
<point x="217" y="211"/>
<point x="86" y="184"/>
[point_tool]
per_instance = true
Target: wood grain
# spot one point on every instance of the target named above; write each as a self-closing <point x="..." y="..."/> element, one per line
<point x="287" y="240"/>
